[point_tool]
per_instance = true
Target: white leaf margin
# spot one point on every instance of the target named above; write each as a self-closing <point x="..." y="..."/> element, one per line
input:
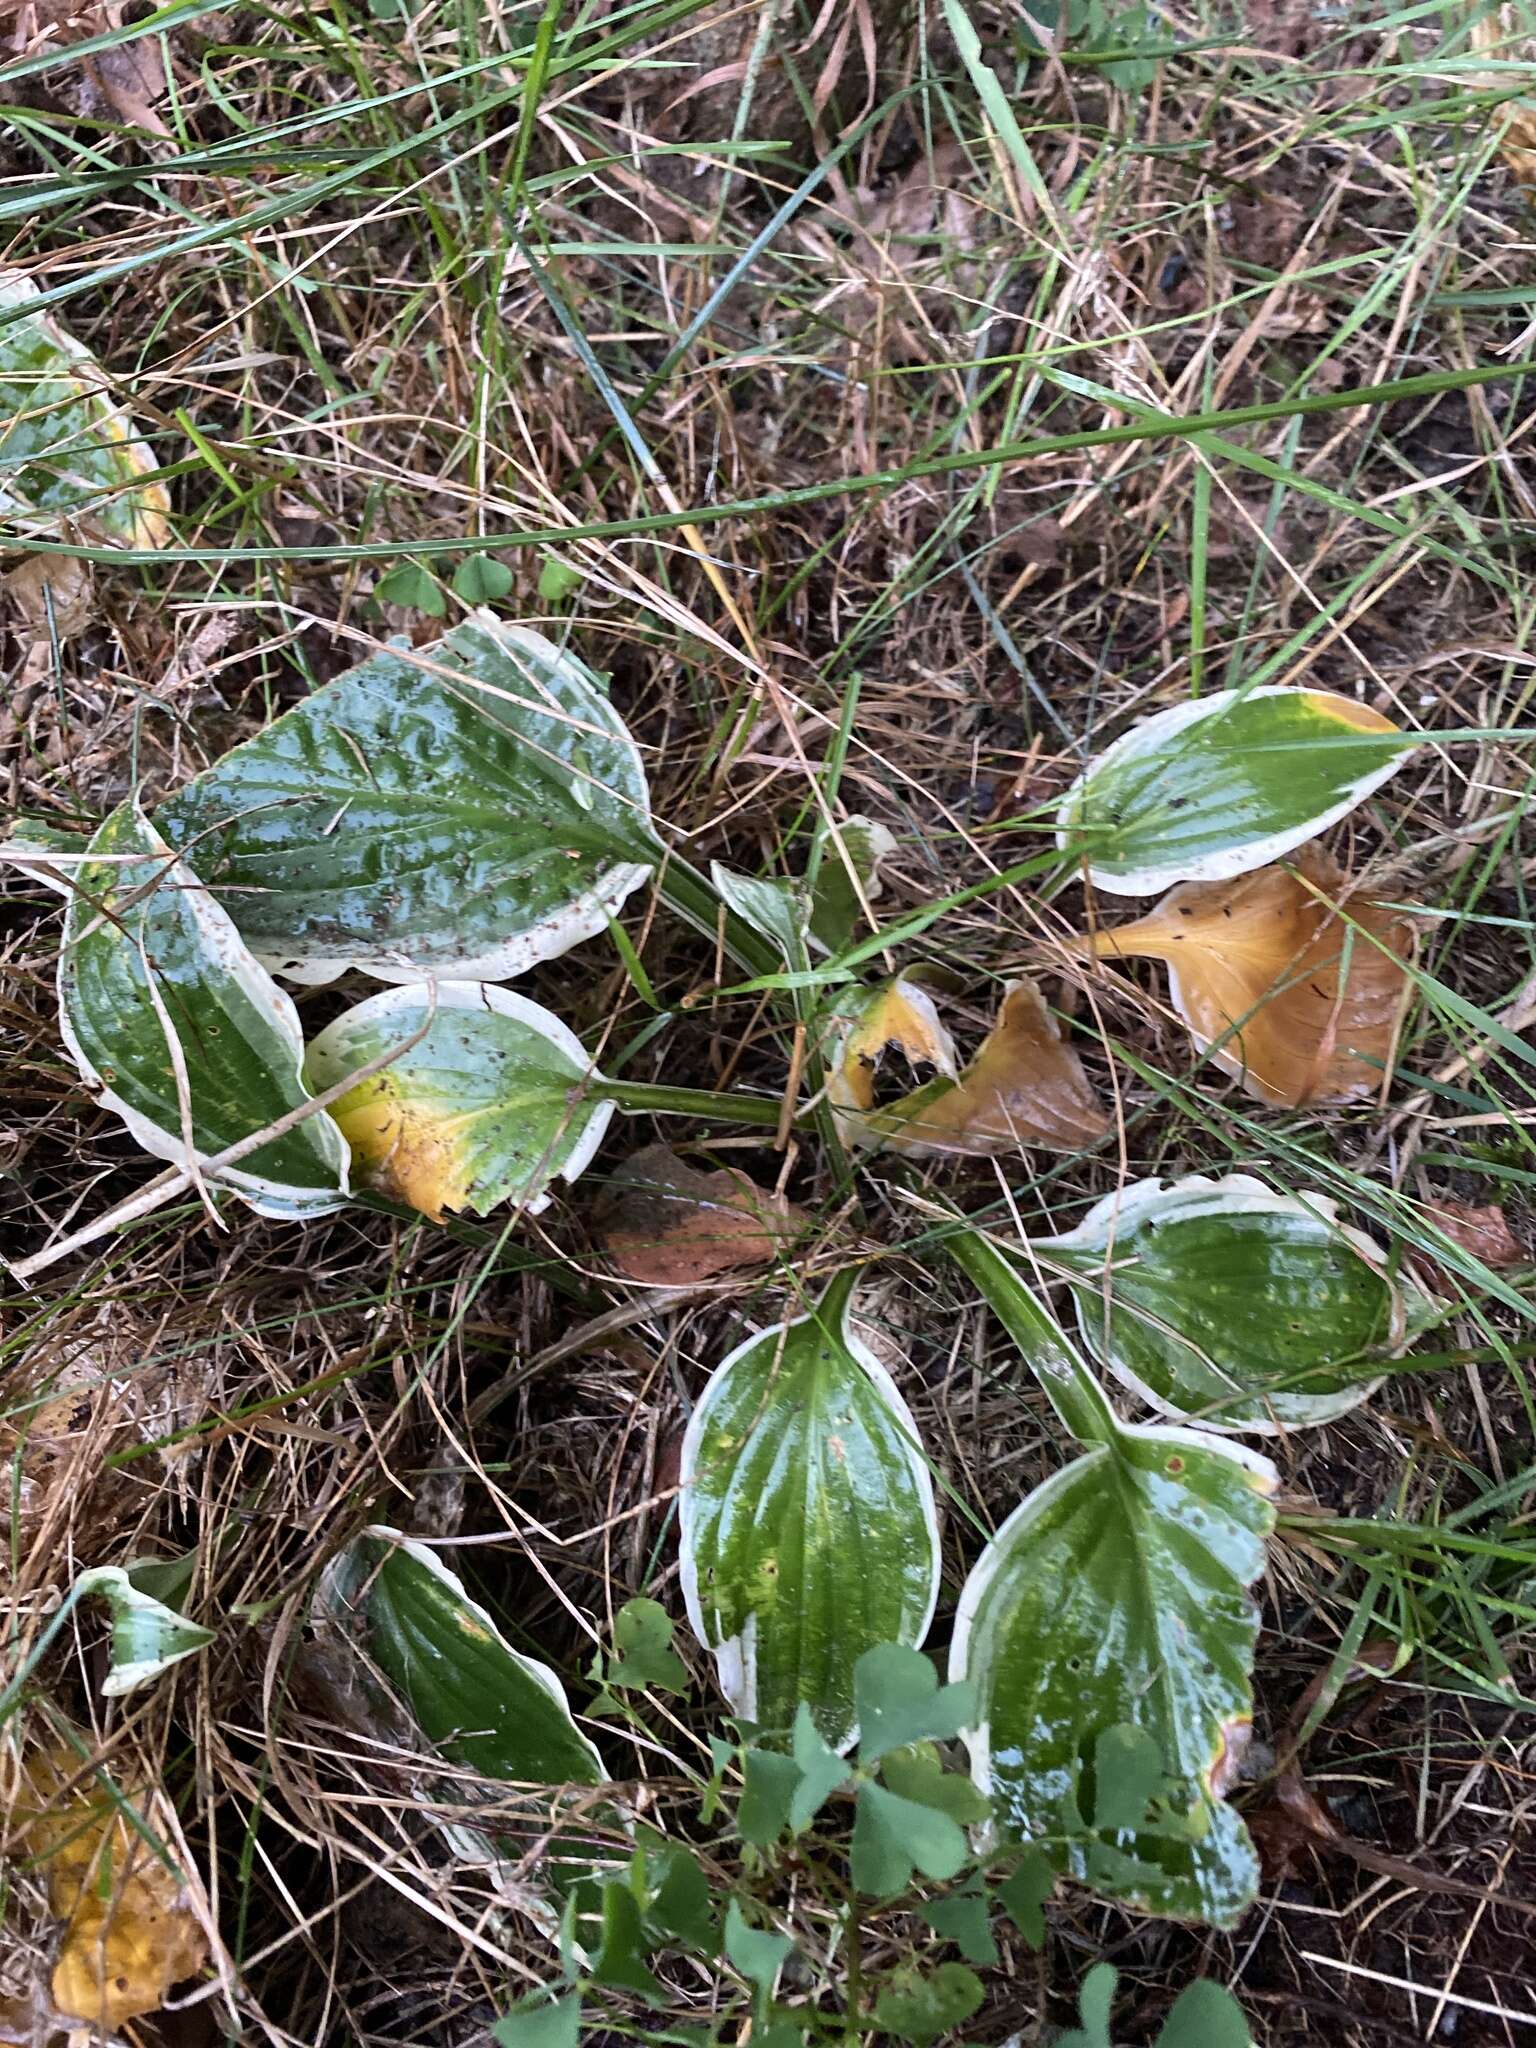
<point x="424" y="955"/>
<point x="1235" y="1194"/>
<point x="983" y="1574"/>
<point x="226" y="950"/>
<point x="735" y="1657"/>
<point x="130" y="1605"/>
<point x="406" y="1004"/>
<point x="1241" y="859"/>
<point x="113" y="420"/>
<point x="337" y="1608"/>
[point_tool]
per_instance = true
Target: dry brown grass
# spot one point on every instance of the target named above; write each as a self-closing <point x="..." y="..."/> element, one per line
<point x="381" y="365"/>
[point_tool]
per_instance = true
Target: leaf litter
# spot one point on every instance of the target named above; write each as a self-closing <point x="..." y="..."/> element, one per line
<point x="587" y="1450"/>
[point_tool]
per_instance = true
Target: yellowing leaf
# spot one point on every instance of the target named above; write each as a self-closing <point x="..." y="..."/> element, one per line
<point x="69" y="456"/>
<point x="480" y="1108"/>
<point x="1026" y="1086"/>
<point x="130" y="1934"/>
<point x="1304" y="981"/>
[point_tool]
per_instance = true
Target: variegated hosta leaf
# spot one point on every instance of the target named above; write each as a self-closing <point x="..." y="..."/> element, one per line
<point x="148" y="1636"/>
<point x="807" y="1524"/>
<point x="1315" y="992"/>
<point x="69" y="458"/>
<point x="1026" y="1085"/>
<point x="1115" y="1595"/>
<point x="475" y="1698"/>
<point x="165" y="1012"/>
<point x="463" y="810"/>
<point x="776" y="911"/>
<point x="481" y="1110"/>
<point x="1217" y="786"/>
<point x="46" y="852"/>
<point x="836" y="910"/>
<point x="1219" y="1300"/>
<point x="464" y="1691"/>
<point x="1117" y="1592"/>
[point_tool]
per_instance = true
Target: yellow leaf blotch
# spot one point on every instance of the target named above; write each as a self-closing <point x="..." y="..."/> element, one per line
<point x="1347" y="711"/>
<point x="898" y="1017"/>
<point x="409" y="1151"/>
<point x="129" y="1934"/>
<point x="1025" y="1087"/>
<point x="1311" y="975"/>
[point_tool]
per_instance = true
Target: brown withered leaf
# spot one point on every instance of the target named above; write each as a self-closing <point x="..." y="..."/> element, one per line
<point x="130" y="1934"/>
<point x="1311" y="975"/>
<point x="52" y="594"/>
<point x="129" y="77"/>
<point x="1503" y="32"/>
<point x="928" y="200"/>
<point x="1484" y="1232"/>
<point x="133" y="77"/>
<point x="1026" y="1085"/>
<point x="666" y="1223"/>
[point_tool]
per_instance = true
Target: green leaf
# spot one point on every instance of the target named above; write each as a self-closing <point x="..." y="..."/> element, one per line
<point x="1205" y="2015"/>
<point x="822" y="1771"/>
<point x="46" y="852"/>
<point x="1202" y="1294"/>
<point x="415" y="588"/>
<point x="69" y="457"/>
<point x="1217" y="786"/>
<point x="683" y="1906"/>
<point x="919" y="2006"/>
<point x="479" y="1701"/>
<point x="1127" y="1774"/>
<point x="540" y="2022"/>
<point x="1024" y="1893"/>
<point x="481" y="1110"/>
<point x="460" y="811"/>
<point x="162" y="1007"/>
<point x="917" y="1773"/>
<point x="778" y="2034"/>
<point x="756" y="1953"/>
<point x="1102" y="27"/>
<point x="899" y="1701"/>
<point x="808" y="1531"/>
<point x="620" y="1960"/>
<point x="1094" y="1998"/>
<point x="966" y="1921"/>
<point x="775" y="910"/>
<point x="481" y="579"/>
<point x="891" y="1836"/>
<point x="148" y="1637"/>
<point x="836" y="912"/>
<point x="642" y="1638"/>
<point x="557" y="580"/>
<point x="1117" y="1592"/>
<point x="769" y="1784"/>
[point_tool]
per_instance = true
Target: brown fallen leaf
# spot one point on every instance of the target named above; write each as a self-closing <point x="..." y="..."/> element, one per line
<point x="1503" y="33"/>
<point x="129" y="77"/>
<point x="52" y="593"/>
<point x="667" y="1224"/>
<point x="87" y="1396"/>
<point x="1317" y="996"/>
<point x="130" y="1934"/>
<point x="1026" y="1085"/>
<point x="1484" y="1232"/>
<point x="132" y="76"/>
